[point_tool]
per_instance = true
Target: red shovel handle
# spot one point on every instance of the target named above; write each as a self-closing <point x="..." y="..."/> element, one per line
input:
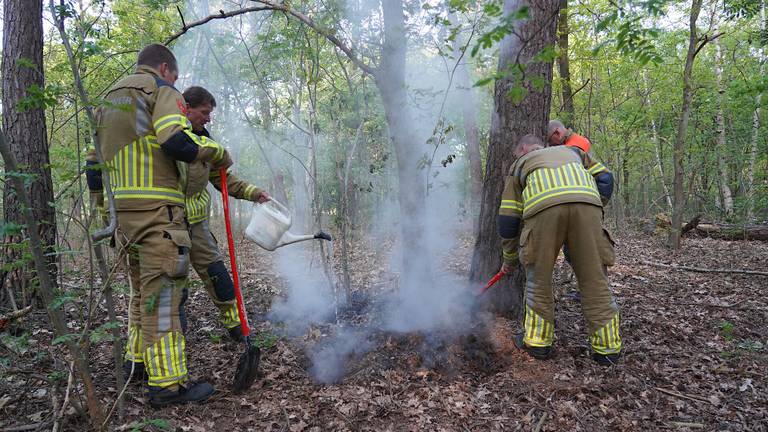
<point x="491" y="282"/>
<point x="232" y="258"/>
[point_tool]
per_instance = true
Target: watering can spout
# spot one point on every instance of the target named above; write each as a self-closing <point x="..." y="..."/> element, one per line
<point x="289" y="238"/>
<point x="269" y="227"/>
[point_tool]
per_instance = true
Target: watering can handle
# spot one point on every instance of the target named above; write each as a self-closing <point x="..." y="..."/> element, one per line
<point x="283" y="209"/>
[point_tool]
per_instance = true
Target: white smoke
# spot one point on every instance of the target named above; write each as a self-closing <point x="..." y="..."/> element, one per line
<point x="441" y="304"/>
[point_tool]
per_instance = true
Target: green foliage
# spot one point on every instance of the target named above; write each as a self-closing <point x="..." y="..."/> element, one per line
<point x="150" y="424"/>
<point x="65" y="338"/>
<point x="103" y="332"/>
<point x="726" y="328"/>
<point x="17" y="344"/>
<point x="264" y="340"/>
<point x="38" y="97"/>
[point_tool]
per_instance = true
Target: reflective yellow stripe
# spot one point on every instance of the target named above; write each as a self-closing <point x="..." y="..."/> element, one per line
<point x="511" y="204"/>
<point x="538" y="331"/>
<point x="607" y="339"/>
<point x="170" y="120"/>
<point x="167" y="360"/>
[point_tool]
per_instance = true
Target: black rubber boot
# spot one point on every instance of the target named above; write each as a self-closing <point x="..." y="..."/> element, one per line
<point x="606" y="359"/>
<point x="539" y="353"/>
<point x="194" y="392"/>
<point x="236" y="333"/>
<point x="139" y="373"/>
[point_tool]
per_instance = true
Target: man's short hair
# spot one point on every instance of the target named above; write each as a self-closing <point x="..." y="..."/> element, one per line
<point x="553" y="126"/>
<point x="196" y="96"/>
<point x="526" y="143"/>
<point x="153" y="55"/>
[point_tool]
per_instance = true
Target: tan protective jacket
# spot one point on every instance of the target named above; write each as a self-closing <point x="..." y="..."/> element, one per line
<point x="142" y="112"/>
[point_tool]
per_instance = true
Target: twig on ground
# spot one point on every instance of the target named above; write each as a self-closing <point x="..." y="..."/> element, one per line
<point x="687" y="424"/>
<point x="33" y="426"/>
<point x="683" y="396"/>
<point x="5" y="319"/>
<point x="703" y="270"/>
<point x="541" y="422"/>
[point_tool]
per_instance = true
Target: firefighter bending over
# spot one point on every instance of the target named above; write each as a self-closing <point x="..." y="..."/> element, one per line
<point x="557" y="192"/>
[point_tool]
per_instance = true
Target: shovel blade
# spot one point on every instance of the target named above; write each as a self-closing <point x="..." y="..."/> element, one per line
<point x="247" y="369"/>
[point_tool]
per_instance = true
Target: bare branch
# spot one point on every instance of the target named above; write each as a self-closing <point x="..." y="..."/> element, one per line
<point x="220" y="15"/>
<point x="328" y="34"/>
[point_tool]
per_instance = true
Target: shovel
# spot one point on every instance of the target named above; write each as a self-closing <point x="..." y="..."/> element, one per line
<point x="491" y="283"/>
<point x="248" y="364"/>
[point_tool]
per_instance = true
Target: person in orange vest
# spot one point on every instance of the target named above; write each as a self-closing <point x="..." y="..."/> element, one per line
<point x="558" y="134"/>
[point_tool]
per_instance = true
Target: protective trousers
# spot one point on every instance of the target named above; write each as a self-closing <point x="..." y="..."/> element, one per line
<point x="158" y="245"/>
<point x="591" y="249"/>
<point x="209" y="265"/>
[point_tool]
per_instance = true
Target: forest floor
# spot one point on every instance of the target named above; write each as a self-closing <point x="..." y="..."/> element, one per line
<point x="695" y="358"/>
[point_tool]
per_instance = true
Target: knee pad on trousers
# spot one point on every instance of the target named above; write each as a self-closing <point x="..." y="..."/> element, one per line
<point x="222" y="282"/>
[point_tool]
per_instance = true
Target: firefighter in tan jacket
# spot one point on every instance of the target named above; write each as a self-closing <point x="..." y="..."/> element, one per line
<point x="557" y="192"/>
<point x="143" y="132"/>
<point x="206" y="257"/>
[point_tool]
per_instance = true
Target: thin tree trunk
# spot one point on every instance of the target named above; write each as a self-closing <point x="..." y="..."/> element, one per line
<point x="753" y="145"/>
<point x="467" y="92"/>
<point x="568" y="113"/>
<point x="46" y="284"/>
<point x="678" y="202"/>
<point x="509" y="122"/>
<point x="657" y="146"/>
<point x="720" y="149"/>
<point x="390" y="80"/>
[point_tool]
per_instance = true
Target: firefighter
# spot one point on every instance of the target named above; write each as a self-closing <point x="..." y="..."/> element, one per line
<point x="558" y="134"/>
<point x="558" y="193"/>
<point x="143" y="132"/>
<point x="206" y="257"/>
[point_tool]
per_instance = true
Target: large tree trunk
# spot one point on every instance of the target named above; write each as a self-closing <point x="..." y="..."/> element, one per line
<point x="678" y="201"/>
<point x="510" y="121"/>
<point x="750" y="212"/>
<point x="25" y="129"/>
<point x="390" y="80"/>
<point x="720" y="150"/>
<point x="568" y="112"/>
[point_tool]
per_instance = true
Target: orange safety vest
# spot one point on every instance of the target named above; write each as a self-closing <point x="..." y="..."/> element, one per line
<point x="576" y="140"/>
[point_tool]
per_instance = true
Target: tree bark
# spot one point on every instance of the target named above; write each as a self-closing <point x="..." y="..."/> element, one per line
<point x="678" y="201"/>
<point x="510" y="121"/>
<point x="568" y="113"/>
<point x="26" y="131"/>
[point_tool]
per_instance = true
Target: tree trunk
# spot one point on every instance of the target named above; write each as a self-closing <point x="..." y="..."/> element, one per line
<point x="467" y="92"/>
<point x="390" y="80"/>
<point x="750" y="212"/>
<point x="510" y="121"/>
<point x="26" y="132"/>
<point x="720" y="150"/>
<point x="678" y="202"/>
<point x="568" y="113"/>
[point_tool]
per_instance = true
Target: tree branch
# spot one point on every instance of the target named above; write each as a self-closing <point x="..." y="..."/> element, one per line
<point x="703" y="270"/>
<point x="328" y="34"/>
<point x="221" y="15"/>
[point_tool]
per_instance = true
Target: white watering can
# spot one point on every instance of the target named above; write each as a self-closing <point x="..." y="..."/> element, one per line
<point x="269" y="227"/>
